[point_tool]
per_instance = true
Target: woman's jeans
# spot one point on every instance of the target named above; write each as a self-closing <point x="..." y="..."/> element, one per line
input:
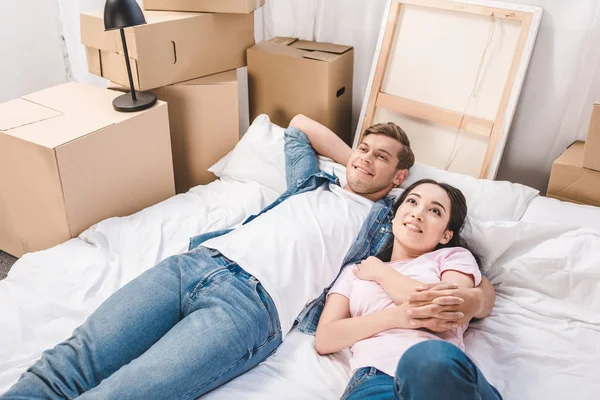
<point x="179" y="330"/>
<point x="430" y="370"/>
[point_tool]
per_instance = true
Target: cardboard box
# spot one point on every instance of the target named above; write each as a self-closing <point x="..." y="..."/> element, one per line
<point x="172" y="47"/>
<point x="591" y="157"/>
<point x="217" y="6"/>
<point x="205" y="125"/>
<point x="68" y="161"/>
<point x="287" y="76"/>
<point x="570" y="181"/>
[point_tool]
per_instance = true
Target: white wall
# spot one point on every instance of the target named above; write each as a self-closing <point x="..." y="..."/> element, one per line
<point x="70" y="10"/>
<point x="32" y="55"/>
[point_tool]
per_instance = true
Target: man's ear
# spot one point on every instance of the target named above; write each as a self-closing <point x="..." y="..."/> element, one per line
<point x="448" y="235"/>
<point x="400" y="176"/>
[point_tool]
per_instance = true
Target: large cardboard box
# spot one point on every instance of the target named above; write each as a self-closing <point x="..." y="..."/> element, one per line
<point x="172" y="47"/>
<point x="205" y="124"/>
<point x="218" y="6"/>
<point x="287" y="76"/>
<point x="68" y="161"/>
<point x="570" y="181"/>
<point x="591" y="157"/>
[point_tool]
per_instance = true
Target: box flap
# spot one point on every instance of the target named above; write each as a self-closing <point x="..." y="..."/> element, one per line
<point x="19" y="112"/>
<point x="320" y="56"/>
<point x="286" y="41"/>
<point x="82" y="110"/>
<point x="303" y="49"/>
<point x="318" y="46"/>
<point x="573" y="156"/>
<point x="276" y="48"/>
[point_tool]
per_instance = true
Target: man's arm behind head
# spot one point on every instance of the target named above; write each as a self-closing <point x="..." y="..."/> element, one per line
<point x="323" y="140"/>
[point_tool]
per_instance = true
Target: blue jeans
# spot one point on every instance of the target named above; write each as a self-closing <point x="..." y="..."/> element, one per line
<point x="430" y="370"/>
<point x="179" y="330"/>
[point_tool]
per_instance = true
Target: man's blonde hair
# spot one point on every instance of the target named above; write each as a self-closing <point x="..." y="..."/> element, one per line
<point x="406" y="156"/>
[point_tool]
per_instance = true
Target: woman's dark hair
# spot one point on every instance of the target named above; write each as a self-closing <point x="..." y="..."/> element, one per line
<point x="458" y="214"/>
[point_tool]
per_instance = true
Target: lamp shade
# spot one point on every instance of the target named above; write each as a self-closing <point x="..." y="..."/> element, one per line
<point x="122" y="14"/>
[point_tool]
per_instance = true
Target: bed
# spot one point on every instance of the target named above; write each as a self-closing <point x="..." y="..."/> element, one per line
<point x="541" y="341"/>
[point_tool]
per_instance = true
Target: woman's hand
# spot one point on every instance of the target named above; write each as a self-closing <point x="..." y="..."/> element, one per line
<point x="443" y="306"/>
<point x="370" y="269"/>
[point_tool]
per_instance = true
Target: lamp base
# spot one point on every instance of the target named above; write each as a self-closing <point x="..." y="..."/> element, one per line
<point x="125" y="103"/>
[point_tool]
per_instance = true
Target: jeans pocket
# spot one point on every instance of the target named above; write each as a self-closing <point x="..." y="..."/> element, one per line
<point x="359" y="377"/>
<point x="206" y="285"/>
<point x="263" y="298"/>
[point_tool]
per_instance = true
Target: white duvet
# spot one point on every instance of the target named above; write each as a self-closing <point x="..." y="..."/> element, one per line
<point x="542" y="340"/>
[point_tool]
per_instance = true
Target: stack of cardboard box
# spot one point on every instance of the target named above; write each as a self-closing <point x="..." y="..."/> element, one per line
<point x="575" y="173"/>
<point x="187" y="53"/>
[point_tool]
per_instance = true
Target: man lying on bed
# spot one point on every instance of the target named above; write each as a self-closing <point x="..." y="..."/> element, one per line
<point x="199" y="319"/>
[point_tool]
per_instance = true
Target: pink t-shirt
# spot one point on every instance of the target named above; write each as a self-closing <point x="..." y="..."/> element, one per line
<point x="383" y="351"/>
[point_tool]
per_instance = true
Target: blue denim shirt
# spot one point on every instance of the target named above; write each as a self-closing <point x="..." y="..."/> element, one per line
<point x="302" y="173"/>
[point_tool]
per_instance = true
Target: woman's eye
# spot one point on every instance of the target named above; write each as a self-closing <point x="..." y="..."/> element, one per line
<point x="412" y="201"/>
<point x="363" y="149"/>
<point x="436" y="211"/>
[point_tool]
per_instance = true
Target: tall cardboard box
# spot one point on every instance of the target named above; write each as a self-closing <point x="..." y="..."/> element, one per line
<point x="570" y="181"/>
<point x="217" y="6"/>
<point x="68" y="161"/>
<point x="287" y="76"/>
<point x="172" y="47"/>
<point x="591" y="157"/>
<point x="205" y="124"/>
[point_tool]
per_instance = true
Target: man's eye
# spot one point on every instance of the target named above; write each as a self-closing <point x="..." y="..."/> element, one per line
<point x="382" y="158"/>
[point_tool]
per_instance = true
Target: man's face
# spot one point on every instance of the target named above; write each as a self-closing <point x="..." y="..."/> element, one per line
<point x="372" y="169"/>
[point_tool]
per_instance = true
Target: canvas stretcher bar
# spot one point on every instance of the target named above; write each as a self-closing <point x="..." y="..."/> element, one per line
<point x="459" y="81"/>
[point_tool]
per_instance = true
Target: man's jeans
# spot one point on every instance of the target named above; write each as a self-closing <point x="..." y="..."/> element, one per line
<point x="430" y="370"/>
<point x="179" y="330"/>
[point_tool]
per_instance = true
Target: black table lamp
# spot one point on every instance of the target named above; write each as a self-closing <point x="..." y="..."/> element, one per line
<point x="120" y="14"/>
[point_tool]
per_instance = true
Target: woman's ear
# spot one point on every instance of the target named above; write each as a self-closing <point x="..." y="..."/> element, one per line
<point x="448" y="235"/>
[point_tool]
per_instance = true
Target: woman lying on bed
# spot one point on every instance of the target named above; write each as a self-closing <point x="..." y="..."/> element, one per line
<point x="367" y="309"/>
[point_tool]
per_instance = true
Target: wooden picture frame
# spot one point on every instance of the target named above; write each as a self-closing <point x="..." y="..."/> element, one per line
<point x="408" y="49"/>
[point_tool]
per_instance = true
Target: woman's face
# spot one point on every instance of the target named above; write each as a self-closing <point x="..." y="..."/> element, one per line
<point x="421" y="220"/>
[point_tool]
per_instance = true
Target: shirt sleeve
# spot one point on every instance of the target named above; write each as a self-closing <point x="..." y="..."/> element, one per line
<point x="461" y="260"/>
<point x="300" y="157"/>
<point x="343" y="284"/>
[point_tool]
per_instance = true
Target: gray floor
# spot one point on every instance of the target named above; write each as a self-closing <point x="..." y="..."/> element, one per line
<point x="6" y="262"/>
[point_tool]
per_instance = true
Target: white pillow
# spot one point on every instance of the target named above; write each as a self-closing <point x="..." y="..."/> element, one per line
<point x="259" y="157"/>
<point x="218" y="167"/>
<point x="487" y="200"/>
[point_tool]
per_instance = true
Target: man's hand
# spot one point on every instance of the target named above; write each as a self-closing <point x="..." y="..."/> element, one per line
<point x="370" y="269"/>
<point x="443" y="306"/>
